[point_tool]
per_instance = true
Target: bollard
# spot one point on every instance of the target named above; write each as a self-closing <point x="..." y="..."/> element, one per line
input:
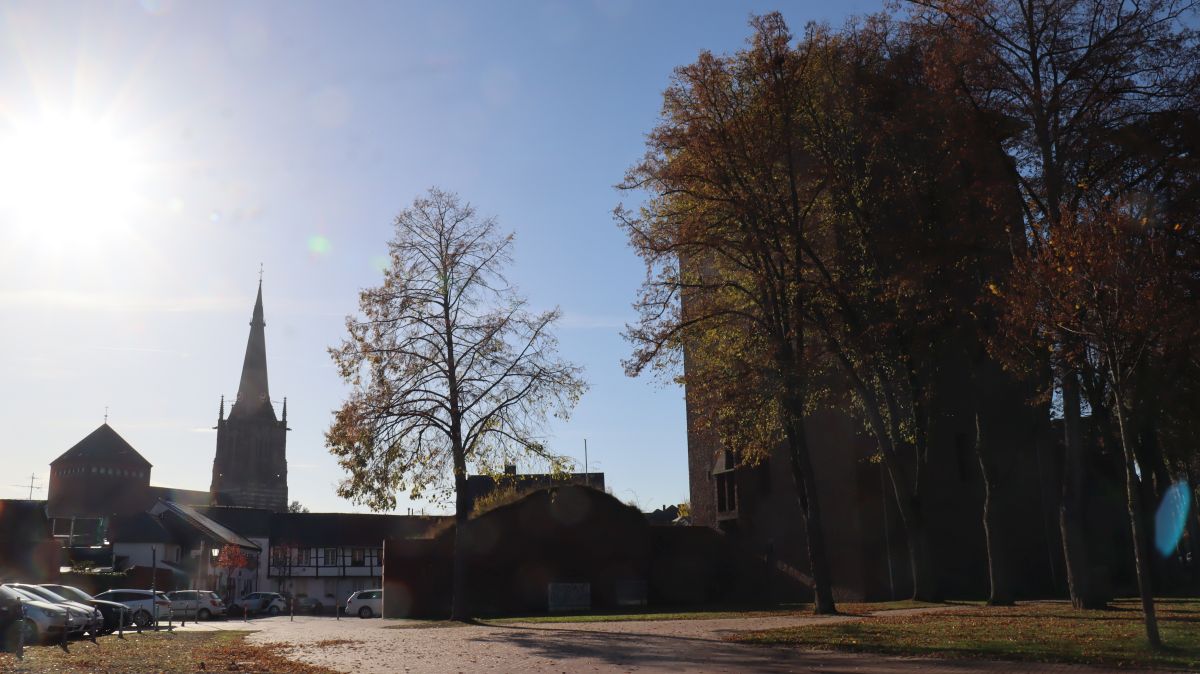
<point x="63" y="642"/>
<point x="24" y="627"/>
<point x="292" y="609"/>
<point x="120" y="623"/>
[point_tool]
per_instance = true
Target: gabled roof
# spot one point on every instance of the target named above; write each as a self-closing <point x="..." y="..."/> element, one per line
<point x="204" y="524"/>
<point x="103" y="444"/>
<point x="249" y="522"/>
<point x="139" y="528"/>
<point x="347" y="529"/>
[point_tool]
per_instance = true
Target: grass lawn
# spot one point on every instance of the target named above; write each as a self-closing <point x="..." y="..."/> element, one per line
<point x="1043" y="631"/>
<point x="159" y="652"/>
<point x="714" y="614"/>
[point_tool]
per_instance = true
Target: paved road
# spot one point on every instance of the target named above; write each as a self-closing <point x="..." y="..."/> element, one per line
<point x="369" y="646"/>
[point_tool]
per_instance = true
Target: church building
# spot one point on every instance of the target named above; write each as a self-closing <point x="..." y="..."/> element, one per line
<point x="250" y="468"/>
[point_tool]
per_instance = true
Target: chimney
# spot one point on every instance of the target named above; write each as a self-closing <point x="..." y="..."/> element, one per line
<point x="510" y="469"/>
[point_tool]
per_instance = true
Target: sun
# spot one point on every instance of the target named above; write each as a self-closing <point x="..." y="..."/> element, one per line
<point x="68" y="181"/>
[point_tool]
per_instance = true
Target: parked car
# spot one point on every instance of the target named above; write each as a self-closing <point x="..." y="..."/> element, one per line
<point x="198" y="604"/>
<point x="307" y="604"/>
<point x="11" y="620"/>
<point x="114" y="613"/>
<point x="270" y="603"/>
<point x="365" y="604"/>
<point x="148" y="607"/>
<point x="43" y="620"/>
<point x="83" y="618"/>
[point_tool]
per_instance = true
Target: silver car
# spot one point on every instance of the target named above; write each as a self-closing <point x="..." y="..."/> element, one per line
<point x="84" y="618"/>
<point x="147" y="607"/>
<point x="198" y="604"/>
<point x="43" y="620"/>
<point x="365" y="604"/>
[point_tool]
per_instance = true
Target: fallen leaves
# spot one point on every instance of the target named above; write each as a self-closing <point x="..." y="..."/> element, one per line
<point x="160" y="652"/>
<point x="1045" y="631"/>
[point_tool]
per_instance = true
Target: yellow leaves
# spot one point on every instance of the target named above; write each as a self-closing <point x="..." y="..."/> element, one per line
<point x="1178" y="226"/>
<point x="993" y="289"/>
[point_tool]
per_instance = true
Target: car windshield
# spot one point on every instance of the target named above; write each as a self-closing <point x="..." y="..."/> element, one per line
<point x="44" y="594"/>
<point x="27" y="596"/>
<point x="70" y="592"/>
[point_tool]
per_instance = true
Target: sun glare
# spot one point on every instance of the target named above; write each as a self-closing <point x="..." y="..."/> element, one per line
<point x="68" y="181"/>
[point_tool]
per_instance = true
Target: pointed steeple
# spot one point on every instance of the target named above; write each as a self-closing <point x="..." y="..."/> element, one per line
<point x="254" y="398"/>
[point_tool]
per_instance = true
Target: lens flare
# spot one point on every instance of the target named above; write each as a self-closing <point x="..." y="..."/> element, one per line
<point x="318" y="244"/>
<point x="1171" y="518"/>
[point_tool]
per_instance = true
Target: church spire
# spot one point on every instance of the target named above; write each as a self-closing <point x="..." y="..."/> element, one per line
<point x="254" y="398"/>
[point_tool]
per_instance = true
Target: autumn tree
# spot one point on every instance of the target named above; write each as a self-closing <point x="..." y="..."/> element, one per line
<point x="730" y="197"/>
<point x="1109" y="283"/>
<point x="448" y="368"/>
<point x="231" y="559"/>
<point x="1074" y="77"/>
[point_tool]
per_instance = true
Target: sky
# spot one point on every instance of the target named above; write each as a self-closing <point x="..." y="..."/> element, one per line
<point x="153" y="154"/>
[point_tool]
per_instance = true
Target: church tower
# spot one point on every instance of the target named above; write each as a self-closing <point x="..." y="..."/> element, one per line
<point x="250" y="468"/>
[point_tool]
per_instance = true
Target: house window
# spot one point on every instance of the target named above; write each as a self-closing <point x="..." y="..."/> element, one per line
<point x="727" y="492"/>
<point x="725" y="475"/>
<point x="358" y="557"/>
<point x="331" y="557"/>
<point x="303" y="555"/>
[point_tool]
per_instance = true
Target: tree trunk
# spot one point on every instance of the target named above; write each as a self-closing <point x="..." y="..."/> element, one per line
<point x="1071" y="509"/>
<point x="806" y="489"/>
<point x="925" y="587"/>
<point x="460" y="608"/>
<point x="1000" y="586"/>
<point x="1133" y="501"/>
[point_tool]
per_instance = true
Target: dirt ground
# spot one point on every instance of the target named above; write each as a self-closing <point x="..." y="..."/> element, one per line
<point x="375" y="645"/>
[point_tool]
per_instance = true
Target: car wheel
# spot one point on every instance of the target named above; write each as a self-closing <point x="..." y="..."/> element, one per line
<point x="203" y="614"/>
<point x="142" y="619"/>
<point x="365" y="612"/>
<point x="274" y="610"/>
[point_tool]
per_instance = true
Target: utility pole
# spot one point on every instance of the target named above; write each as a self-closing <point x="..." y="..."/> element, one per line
<point x="33" y="479"/>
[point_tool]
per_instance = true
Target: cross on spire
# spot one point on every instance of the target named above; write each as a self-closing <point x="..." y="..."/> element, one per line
<point x="260" y="270"/>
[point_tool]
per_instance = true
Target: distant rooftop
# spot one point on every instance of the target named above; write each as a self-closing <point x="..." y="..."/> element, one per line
<point x="103" y="444"/>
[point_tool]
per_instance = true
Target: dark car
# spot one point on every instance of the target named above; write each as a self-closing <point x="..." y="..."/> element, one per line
<point x="10" y="619"/>
<point x="112" y="611"/>
<point x="307" y="604"/>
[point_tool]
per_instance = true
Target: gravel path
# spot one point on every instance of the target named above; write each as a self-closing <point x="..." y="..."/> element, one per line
<point x="370" y="646"/>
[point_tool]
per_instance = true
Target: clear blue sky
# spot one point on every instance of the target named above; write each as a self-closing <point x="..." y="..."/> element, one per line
<point x="153" y="153"/>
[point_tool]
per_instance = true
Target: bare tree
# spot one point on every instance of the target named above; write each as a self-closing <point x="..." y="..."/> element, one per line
<point x="448" y="367"/>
